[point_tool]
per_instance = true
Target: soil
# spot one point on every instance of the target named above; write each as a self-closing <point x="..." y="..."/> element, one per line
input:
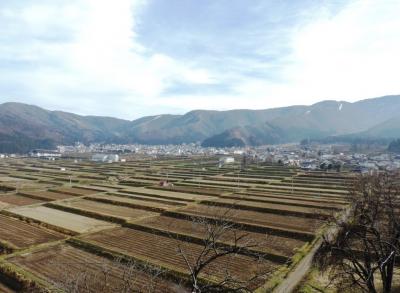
<point x="256" y="218"/>
<point x="263" y="242"/>
<point x="64" y="265"/>
<point x="108" y="209"/>
<point x="65" y="220"/>
<point x="18" y="200"/>
<point x="22" y="235"/>
<point x="165" y="251"/>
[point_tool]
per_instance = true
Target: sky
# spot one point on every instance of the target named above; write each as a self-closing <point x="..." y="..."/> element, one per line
<point x="133" y="58"/>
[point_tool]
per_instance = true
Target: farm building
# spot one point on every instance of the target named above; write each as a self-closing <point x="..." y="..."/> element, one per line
<point x="110" y="158"/>
<point x="45" y="154"/>
<point x="227" y="160"/>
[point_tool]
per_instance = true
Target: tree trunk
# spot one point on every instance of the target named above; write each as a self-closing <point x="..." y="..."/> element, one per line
<point x="371" y="285"/>
<point x="387" y="283"/>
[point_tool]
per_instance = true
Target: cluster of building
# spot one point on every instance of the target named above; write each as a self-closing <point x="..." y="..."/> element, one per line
<point x="48" y="154"/>
<point x="309" y="157"/>
<point x="106" y="158"/>
<point x="159" y="150"/>
<point x="330" y="157"/>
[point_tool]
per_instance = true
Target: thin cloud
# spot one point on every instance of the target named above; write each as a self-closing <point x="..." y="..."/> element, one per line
<point x="131" y="58"/>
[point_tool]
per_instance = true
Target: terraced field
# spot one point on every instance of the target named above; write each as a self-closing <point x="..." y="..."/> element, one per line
<point x="153" y="198"/>
<point x="15" y="234"/>
<point x="65" y="264"/>
<point x="277" y="208"/>
<point x="213" y="191"/>
<point x="303" y="195"/>
<point x="106" y="209"/>
<point x="85" y="216"/>
<point x="46" y="195"/>
<point x="64" y="220"/>
<point x="167" y="194"/>
<point x="261" y="220"/>
<point x="264" y="242"/>
<point x="318" y="203"/>
<point x="163" y="251"/>
<point x="9" y="200"/>
<point x="137" y="202"/>
<point x="75" y="191"/>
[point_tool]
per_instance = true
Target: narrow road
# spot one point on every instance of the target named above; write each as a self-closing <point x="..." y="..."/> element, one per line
<point x="294" y="277"/>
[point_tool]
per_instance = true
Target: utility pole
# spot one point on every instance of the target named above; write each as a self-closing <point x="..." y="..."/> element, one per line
<point x="292" y="186"/>
<point x="199" y="177"/>
<point x="238" y="179"/>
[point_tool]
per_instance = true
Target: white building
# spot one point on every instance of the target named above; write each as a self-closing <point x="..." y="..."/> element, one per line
<point x="226" y="160"/>
<point x="238" y="152"/>
<point x="45" y="154"/>
<point x="109" y="158"/>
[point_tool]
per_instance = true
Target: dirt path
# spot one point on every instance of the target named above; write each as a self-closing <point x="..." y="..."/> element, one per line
<point x="294" y="278"/>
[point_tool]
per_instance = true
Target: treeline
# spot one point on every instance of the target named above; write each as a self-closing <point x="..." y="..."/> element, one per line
<point x="368" y="142"/>
<point x="394" y="146"/>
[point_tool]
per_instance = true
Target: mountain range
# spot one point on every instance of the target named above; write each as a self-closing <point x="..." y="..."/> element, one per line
<point x="24" y="127"/>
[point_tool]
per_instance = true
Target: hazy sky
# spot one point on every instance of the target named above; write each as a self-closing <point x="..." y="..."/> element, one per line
<point x="130" y="58"/>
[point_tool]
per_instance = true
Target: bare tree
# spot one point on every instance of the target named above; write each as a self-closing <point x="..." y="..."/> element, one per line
<point x="214" y="266"/>
<point x="362" y="252"/>
<point x="118" y="275"/>
<point x="221" y="244"/>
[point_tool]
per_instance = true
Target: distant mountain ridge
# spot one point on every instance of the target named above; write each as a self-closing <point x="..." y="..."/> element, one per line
<point x="373" y="118"/>
<point x="23" y="127"/>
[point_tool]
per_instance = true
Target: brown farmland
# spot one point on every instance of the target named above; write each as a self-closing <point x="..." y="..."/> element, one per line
<point x="63" y="263"/>
<point x="255" y="218"/>
<point x="264" y="242"/>
<point x="18" y="200"/>
<point x="47" y="195"/>
<point x="163" y="251"/>
<point x="21" y="235"/>
<point x="107" y="209"/>
<point x="120" y="209"/>
<point x="70" y="222"/>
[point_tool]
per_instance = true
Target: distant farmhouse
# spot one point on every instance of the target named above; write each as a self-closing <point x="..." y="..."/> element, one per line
<point x="226" y="160"/>
<point x="45" y="154"/>
<point x="105" y="158"/>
